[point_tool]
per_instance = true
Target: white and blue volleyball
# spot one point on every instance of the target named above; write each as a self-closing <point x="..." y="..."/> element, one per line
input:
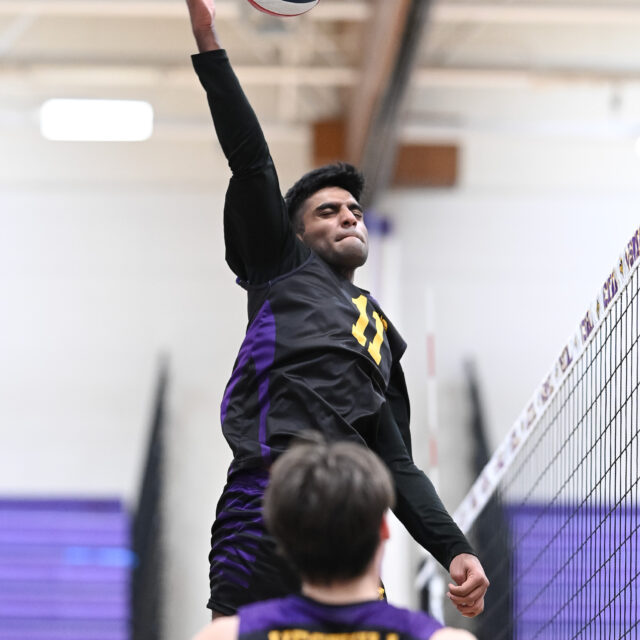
<point x="286" y="8"/>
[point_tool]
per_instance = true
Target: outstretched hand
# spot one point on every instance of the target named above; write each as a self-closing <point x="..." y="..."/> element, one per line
<point x="203" y="15"/>
<point x="471" y="585"/>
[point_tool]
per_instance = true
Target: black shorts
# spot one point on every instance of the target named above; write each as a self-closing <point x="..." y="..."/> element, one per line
<point x="245" y="565"/>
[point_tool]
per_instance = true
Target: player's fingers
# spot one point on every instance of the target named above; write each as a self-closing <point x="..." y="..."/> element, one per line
<point x="473" y="582"/>
<point x="470" y="605"/>
<point x="458" y="590"/>
<point x="471" y="609"/>
<point x="471" y="596"/>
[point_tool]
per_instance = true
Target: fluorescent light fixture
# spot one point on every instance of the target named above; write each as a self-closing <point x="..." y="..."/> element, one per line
<point x="96" y="120"/>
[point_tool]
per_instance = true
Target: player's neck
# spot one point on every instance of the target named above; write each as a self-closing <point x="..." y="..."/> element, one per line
<point x="357" y="590"/>
<point x="348" y="274"/>
<point x="343" y="272"/>
<point x="361" y="589"/>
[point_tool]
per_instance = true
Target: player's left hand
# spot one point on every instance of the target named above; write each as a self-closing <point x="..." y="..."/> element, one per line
<point x="471" y="585"/>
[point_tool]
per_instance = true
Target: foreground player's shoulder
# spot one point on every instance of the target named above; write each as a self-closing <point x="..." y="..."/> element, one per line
<point x="408" y="624"/>
<point x="452" y="634"/>
<point x="418" y="625"/>
<point x="266" y="615"/>
<point x="225" y="628"/>
<point x="423" y="626"/>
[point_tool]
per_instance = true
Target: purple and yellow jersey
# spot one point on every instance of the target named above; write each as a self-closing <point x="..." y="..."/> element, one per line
<point x="300" y="618"/>
<point x="317" y="354"/>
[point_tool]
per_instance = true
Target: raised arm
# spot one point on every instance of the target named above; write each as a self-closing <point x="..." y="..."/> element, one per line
<point x="421" y="511"/>
<point x="203" y="20"/>
<point x="260" y="243"/>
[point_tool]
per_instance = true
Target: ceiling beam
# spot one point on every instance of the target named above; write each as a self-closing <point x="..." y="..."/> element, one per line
<point x="119" y="76"/>
<point x="72" y="75"/>
<point x="519" y="78"/>
<point x="608" y="13"/>
<point x="329" y="10"/>
<point x="383" y="37"/>
<point x="63" y="75"/>
<point x="342" y="10"/>
<point x="393" y="37"/>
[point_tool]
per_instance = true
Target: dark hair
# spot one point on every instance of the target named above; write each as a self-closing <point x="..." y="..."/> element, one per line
<point x="340" y="174"/>
<point x="324" y="505"/>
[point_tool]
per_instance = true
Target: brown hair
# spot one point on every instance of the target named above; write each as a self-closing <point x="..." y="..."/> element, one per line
<point x="324" y="505"/>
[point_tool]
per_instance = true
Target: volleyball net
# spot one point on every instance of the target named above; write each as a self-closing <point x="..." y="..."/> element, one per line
<point x="554" y="514"/>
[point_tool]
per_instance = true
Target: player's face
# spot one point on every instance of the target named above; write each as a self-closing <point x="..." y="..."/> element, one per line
<point x="334" y="228"/>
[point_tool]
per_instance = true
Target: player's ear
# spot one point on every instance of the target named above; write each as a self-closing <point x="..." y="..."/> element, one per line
<point x="385" y="533"/>
<point x="297" y="220"/>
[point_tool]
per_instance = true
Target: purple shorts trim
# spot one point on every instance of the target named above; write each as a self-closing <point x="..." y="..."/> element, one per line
<point x="245" y="565"/>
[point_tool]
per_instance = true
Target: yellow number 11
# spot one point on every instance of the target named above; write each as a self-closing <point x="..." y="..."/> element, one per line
<point x="363" y="322"/>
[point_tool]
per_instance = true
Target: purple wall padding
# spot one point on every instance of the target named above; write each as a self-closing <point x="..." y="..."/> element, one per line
<point x="65" y="570"/>
<point x="575" y="570"/>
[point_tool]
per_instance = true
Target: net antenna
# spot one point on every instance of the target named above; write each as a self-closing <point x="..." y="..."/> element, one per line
<point x="565" y="480"/>
<point x="429" y="580"/>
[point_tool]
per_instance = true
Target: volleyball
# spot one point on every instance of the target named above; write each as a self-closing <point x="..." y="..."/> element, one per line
<point x="286" y="8"/>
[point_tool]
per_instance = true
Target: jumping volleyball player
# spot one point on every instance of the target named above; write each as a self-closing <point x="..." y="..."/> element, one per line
<point x="318" y="353"/>
<point x="317" y="492"/>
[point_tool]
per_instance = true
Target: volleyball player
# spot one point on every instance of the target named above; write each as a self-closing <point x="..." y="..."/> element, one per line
<point x="319" y="352"/>
<point x="326" y="506"/>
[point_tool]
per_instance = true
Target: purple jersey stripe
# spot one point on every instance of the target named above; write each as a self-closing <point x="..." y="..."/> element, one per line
<point x="259" y="345"/>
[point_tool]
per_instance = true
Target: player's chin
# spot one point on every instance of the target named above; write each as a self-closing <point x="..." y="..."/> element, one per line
<point x="353" y="255"/>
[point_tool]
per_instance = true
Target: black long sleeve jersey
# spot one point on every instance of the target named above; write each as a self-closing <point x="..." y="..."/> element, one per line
<point x="319" y="352"/>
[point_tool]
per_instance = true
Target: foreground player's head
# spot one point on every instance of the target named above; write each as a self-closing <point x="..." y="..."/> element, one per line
<point x="325" y="211"/>
<point x="325" y="505"/>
